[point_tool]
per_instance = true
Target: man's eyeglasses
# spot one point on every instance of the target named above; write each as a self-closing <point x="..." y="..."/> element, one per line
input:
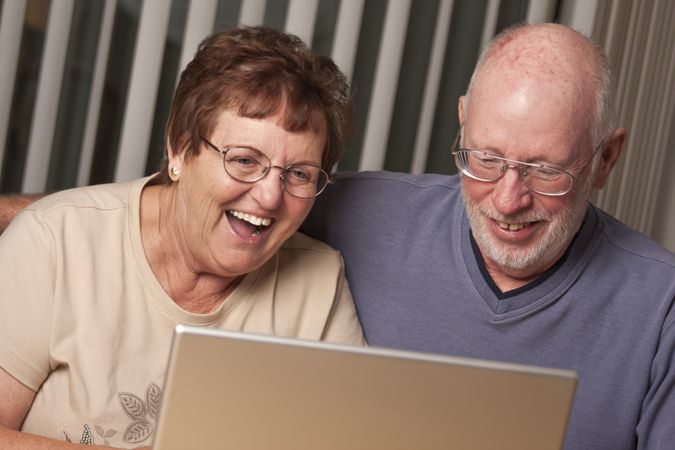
<point x="249" y="165"/>
<point x="540" y="178"/>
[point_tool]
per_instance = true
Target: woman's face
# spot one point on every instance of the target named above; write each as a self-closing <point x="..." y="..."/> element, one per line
<point x="229" y="228"/>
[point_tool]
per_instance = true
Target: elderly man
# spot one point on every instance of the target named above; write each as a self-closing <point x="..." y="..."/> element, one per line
<point x="509" y="261"/>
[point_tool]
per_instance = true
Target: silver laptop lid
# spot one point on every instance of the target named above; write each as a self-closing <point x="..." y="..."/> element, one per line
<point x="241" y="391"/>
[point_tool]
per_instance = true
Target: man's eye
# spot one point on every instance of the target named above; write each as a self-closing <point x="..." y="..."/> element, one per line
<point x="546" y="173"/>
<point x="487" y="160"/>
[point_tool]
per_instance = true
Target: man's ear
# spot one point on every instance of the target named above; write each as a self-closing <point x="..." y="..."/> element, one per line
<point x="609" y="156"/>
<point x="460" y="109"/>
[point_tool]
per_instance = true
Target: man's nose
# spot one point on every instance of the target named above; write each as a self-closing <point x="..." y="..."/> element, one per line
<point x="511" y="194"/>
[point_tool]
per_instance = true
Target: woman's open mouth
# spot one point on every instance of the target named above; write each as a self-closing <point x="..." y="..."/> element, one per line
<point x="248" y="225"/>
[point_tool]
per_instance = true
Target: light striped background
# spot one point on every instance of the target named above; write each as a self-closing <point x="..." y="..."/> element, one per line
<point x="85" y="85"/>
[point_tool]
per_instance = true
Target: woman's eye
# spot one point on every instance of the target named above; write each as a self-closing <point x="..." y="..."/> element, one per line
<point x="299" y="174"/>
<point x="243" y="161"/>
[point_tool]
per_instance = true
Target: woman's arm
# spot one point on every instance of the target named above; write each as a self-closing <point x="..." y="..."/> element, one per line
<point x="11" y="204"/>
<point x="16" y="401"/>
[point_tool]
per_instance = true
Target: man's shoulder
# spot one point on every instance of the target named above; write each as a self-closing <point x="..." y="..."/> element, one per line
<point x="360" y="204"/>
<point x="368" y="179"/>
<point x="634" y="243"/>
<point x="377" y="190"/>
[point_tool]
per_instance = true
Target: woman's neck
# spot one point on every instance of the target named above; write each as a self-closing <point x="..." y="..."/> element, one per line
<point x="191" y="289"/>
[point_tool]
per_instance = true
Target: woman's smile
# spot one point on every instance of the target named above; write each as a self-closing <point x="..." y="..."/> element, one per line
<point x="249" y="226"/>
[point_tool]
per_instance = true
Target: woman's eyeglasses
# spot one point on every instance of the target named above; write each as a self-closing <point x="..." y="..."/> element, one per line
<point x="249" y="165"/>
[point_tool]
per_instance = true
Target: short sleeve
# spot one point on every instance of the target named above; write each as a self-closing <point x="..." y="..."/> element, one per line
<point x="27" y="282"/>
<point x="343" y="325"/>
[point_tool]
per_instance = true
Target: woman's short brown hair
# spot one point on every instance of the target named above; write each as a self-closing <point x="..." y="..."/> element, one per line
<point x="259" y="72"/>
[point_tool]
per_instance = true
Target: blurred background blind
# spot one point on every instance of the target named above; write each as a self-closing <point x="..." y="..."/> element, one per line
<point x="86" y="85"/>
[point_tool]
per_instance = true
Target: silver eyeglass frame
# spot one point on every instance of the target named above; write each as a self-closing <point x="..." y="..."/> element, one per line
<point x="223" y="151"/>
<point x="515" y="164"/>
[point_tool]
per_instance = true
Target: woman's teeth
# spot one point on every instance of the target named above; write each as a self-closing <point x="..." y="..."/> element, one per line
<point x="512" y="226"/>
<point x="250" y="218"/>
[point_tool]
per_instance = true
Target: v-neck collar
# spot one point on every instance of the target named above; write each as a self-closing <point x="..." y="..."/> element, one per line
<point x="513" y="292"/>
<point x="537" y="294"/>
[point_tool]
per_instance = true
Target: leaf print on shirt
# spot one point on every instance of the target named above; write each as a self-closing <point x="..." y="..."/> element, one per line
<point x="105" y="434"/>
<point x="142" y="413"/>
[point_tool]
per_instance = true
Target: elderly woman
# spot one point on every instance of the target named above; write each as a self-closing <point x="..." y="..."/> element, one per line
<point x="95" y="279"/>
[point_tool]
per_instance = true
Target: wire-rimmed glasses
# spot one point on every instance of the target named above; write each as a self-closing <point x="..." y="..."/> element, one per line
<point x="249" y="165"/>
<point x="483" y="166"/>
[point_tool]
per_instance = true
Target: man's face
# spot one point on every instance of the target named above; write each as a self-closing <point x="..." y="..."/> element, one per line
<point x="521" y="233"/>
<point x="528" y="241"/>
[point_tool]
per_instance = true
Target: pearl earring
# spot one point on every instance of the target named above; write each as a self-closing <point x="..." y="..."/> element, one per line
<point x="175" y="171"/>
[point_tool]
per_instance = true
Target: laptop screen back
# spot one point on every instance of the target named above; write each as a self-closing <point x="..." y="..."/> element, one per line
<point x="241" y="391"/>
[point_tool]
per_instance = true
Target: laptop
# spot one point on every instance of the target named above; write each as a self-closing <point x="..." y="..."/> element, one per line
<point x="231" y="390"/>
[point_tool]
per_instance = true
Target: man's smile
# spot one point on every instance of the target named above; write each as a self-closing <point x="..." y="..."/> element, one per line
<point x="513" y="226"/>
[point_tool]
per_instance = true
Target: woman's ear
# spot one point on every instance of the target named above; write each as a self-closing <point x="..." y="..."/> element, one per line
<point x="175" y="165"/>
<point x="609" y="155"/>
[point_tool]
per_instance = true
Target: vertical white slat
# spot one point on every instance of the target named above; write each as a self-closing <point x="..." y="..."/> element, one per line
<point x="490" y="23"/>
<point x="662" y="226"/>
<point x="631" y="93"/>
<point x="301" y="19"/>
<point x="621" y="41"/>
<point x="657" y="123"/>
<point x="200" y="20"/>
<point x="539" y="11"/>
<point x="648" y="101"/>
<point x="96" y="94"/>
<point x="431" y="87"/>
<point x="346" y="36"/>
<point x="140" y="105"/>
<point x="11" y="25"/>
<point x="580" y="15"/>
<point x="252" y="12"/>
<point x="48" y="92"/>
<point x="384" y="86"/>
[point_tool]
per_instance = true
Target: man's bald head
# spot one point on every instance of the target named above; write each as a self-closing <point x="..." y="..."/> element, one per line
<point x="561" y="62"/>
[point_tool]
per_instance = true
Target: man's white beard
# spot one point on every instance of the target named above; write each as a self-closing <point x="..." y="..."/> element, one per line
<point x="562" y="228"/>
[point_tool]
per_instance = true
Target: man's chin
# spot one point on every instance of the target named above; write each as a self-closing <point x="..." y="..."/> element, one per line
<point x="514" y="260"/>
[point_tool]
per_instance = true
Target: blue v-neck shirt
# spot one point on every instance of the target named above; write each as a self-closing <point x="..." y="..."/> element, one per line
<point x="605" y="310"/>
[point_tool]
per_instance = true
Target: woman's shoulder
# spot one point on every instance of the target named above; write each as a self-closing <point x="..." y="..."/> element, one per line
<point x="303" y="255"/>
<point x="101" y="196"/>
<point x="300" y="242"/>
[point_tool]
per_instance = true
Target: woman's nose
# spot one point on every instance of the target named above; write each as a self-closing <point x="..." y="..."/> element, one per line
<point x="269" y="191"/>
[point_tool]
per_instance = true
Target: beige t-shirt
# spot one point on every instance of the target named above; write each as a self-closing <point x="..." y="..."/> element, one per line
<point x="85" y="324"/>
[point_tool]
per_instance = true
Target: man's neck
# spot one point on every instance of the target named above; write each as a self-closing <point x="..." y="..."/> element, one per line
<point x="504" y="280"/>
<point x="507" y="281"/>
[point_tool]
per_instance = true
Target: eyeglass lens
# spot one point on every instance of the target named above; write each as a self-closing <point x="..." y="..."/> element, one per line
<point x="485" y="167"/>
